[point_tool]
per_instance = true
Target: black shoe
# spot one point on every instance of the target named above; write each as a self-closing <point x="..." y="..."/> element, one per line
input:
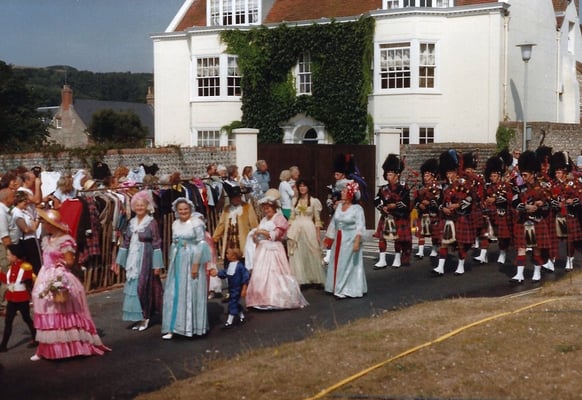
<point x="227" y="325"/>
<point x="242" y="320"/>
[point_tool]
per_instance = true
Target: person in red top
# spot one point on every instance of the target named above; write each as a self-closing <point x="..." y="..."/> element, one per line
<point x="19" y="281"/>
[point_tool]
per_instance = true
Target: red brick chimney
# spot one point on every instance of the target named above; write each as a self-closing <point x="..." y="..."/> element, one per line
<point x="66" y="97"/>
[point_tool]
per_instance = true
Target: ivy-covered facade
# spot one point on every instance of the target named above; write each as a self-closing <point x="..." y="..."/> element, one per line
<point x="304" y="71"/>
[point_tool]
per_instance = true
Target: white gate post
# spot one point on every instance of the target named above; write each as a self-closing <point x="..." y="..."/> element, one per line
<point x="245" y="140"/>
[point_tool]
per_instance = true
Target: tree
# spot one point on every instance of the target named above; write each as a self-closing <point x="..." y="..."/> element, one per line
<point x="123" y="127"/>
<point x="21" y="125"/>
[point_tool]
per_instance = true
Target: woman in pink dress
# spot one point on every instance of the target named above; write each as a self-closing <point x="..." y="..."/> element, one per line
<point x="61" y="313"/>
<point x="272" y="285"/>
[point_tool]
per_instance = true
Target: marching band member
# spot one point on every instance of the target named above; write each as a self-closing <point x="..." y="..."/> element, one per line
<point x="543" y="154"/>
<point x="427" y="201"/>
<point x="456" y="210"/>
<point x="497" y="204"/>
<point x="393" y="202"/>
<point x="530" y="200"/>
<point x="565" y="204"/>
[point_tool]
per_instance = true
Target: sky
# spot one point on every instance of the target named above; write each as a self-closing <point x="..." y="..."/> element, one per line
<point x="90" y="35"/>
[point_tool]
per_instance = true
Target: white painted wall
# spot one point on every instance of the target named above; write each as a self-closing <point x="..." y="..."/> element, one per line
<point x="466" y="103"/>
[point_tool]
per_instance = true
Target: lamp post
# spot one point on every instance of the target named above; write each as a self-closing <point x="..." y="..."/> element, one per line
<point x="526" y="49"/>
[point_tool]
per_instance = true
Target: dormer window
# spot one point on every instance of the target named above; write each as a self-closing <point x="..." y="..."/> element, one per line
<point x="391" y="4"/>
<point x="233" y="12"/>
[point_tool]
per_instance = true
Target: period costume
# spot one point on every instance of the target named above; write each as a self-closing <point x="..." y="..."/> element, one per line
<point x="345" y="272"/>
<point x="393" y="202"/>
<point x="272" y="284"/>
<point x="238" y="276"/>
<point x="140" y="254"/>
<point x="64" y="326"/>
<point x="303" y="241"/>
<point x="185" y="297"/>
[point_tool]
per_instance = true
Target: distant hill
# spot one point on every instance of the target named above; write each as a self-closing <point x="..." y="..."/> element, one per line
<point x="46" y="84"/>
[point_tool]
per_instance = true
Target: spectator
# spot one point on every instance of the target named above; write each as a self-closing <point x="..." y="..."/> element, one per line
<point x="286" y="192"/>
<point x="262" y="175"/>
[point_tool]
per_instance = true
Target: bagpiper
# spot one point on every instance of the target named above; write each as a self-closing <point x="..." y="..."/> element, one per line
<point x="551" y="253"/>
<point x="565" y="203"/>
<point x="497" y="204"/>
<point x="427" y="201"/>
<point x="456" y="209"/>
<point x="531" y="201"/>
<point x="393" y="202"/>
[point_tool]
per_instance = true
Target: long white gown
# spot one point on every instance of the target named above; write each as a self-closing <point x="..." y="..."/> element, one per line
<point x="345" y="274"/>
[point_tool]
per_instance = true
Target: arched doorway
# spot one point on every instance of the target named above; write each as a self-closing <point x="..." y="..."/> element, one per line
<point x="310" y="137"/>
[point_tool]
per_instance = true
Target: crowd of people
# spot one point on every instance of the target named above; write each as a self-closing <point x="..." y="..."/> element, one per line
<point x="528" y="202"/>
<point x="258" y="245"/>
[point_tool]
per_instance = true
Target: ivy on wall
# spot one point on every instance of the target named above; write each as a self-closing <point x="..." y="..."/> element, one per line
<point x="341" y="56"/>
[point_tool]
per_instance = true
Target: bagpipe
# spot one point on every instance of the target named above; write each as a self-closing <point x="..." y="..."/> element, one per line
<point x="458" y="192"/>
<point x="429" y="197"/>
<point x="534" y="195"/>
<point x="501" y="193"/>
<point x="399" y="195"/>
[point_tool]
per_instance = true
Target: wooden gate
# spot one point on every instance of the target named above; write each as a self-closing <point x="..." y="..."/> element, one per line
<point x="315" y="163"/>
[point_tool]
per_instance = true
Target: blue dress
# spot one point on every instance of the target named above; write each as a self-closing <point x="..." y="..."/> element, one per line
<point x="345" y="272"/>
<point x="185" y="299"/>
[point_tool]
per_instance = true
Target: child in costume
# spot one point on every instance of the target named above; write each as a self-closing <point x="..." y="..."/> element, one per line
<point x="238" y="278"/>
<point x="19" y="281"/>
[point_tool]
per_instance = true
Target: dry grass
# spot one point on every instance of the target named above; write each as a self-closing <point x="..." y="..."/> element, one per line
<point x="532" y="354"/>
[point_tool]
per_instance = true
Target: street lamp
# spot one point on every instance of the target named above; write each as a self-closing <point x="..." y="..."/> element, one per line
<point x="526" y="49"/>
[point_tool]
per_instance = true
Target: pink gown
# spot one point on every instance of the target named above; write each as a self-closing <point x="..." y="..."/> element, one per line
<point x="272" y="285"/>
<point x="63" y="329"/>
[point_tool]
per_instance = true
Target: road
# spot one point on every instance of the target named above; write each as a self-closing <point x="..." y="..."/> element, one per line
<point x="143" y="362"/>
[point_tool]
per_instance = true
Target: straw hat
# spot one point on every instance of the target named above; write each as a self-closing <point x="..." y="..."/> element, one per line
<point x="89" y="184"/>
<point x="271" y="197"/>
<point x="53" y="217"/>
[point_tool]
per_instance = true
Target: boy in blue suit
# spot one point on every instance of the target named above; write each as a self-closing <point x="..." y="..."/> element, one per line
<point x="238" y="278"/>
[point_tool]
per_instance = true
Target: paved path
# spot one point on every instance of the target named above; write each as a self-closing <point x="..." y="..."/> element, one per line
<point x="143" y="362"/>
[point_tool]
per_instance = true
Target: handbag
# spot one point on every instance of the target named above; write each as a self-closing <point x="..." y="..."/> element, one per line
<point x="449" y="233"/>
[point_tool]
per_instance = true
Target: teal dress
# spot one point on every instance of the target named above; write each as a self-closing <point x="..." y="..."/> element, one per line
<point x="345" y="271"/>
<point x="186" y="299"/>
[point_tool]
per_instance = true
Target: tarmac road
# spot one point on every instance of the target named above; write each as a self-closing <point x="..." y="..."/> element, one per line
<point x="143" y="362"/>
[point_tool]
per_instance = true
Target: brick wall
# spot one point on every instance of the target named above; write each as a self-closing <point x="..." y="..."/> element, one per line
<point x="560" y="137"/>
<point x="417" y="154"/>
<point x="190" y="161"/>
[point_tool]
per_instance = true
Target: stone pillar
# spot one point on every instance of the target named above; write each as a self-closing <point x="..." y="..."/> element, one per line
<point x="387" y="141"/>
<point x="245" y="140"/>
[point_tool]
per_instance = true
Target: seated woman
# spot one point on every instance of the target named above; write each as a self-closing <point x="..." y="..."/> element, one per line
<point x="272" y="285"/>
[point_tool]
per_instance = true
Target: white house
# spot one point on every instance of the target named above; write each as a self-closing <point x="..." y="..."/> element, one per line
<point x="443" y="70"/>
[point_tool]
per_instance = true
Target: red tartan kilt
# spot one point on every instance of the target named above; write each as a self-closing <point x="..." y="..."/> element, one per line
<point x="437" y="225"/>
<point x="554" y="240"/>
<point x="477" y="220"/>
<point x="502" y="225"/>
<point x="542" y="235"/>
<point x="464" y="230"/>
<point x="574" y="229"/>
<point x="403" y="229"/>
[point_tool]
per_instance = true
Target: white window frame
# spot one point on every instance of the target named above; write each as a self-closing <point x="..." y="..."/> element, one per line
<point x="426" y="134"/>
<point x="383" y="61"/>
<point x="233" y="12"/>
<point x="392" y="4"/>
<point x="304" y="76"/>
<point x="222" y="71"/>
<point x="207" y="137"/>
<point x="426" y="65"/>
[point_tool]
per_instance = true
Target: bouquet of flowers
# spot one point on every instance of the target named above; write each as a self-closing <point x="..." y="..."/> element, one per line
<point x="56" y="289"/>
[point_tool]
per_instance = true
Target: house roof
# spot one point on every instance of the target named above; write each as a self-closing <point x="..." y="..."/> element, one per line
<point x="86" y="108"/>
<point x="302" y="10"/>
